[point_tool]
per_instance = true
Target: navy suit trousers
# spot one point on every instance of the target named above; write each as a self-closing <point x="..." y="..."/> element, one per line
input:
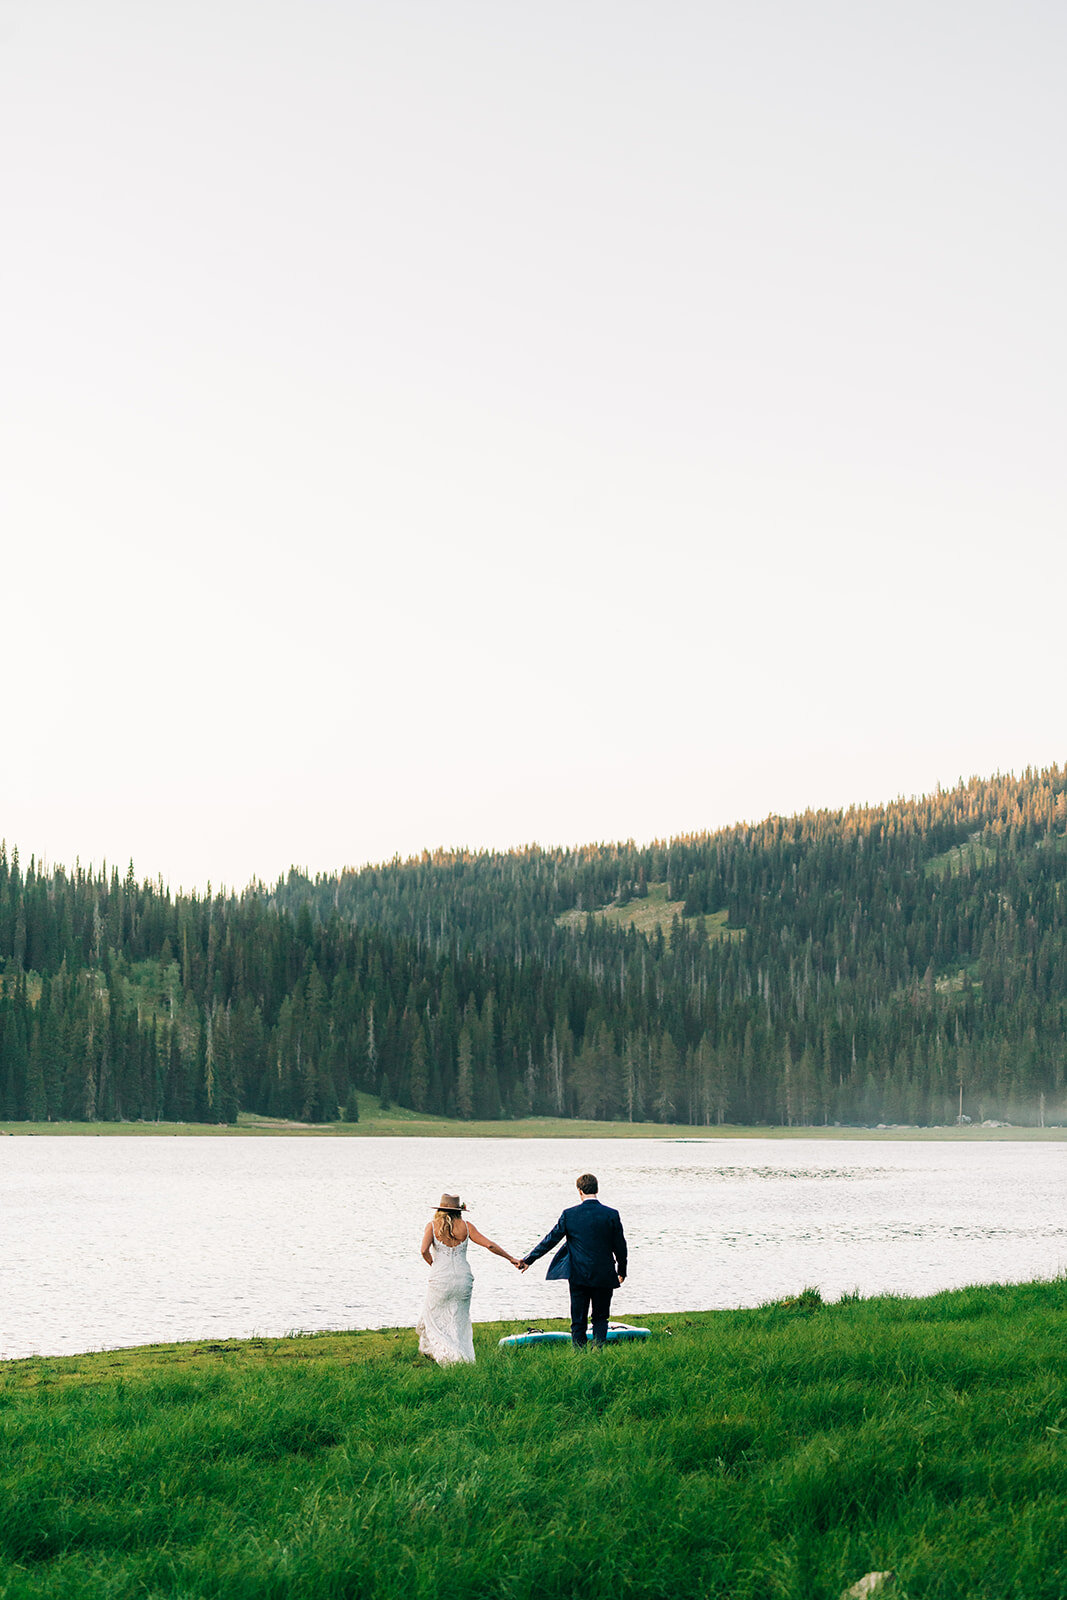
<point x="581" y="1295"/>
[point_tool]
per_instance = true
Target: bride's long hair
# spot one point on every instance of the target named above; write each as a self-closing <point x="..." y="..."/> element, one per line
<point x="446" y="1219"/>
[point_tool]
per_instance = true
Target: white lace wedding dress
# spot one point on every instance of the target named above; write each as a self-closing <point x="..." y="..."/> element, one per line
<point x="444" y="1328"/>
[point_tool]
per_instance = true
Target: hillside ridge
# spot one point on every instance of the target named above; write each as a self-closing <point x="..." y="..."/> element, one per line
<point x="878" y="964"/>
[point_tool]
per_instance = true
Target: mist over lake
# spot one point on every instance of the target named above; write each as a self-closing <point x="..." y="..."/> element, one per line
<point x="110" y="1243"/>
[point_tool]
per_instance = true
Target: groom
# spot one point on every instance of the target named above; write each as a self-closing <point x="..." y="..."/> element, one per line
<point x="593" y="1258"/>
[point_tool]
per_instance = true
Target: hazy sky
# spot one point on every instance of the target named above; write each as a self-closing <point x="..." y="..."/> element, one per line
<point x="475" y="423"/>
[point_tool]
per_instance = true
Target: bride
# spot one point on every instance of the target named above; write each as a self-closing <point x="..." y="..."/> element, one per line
<point x="444" y="1328"/>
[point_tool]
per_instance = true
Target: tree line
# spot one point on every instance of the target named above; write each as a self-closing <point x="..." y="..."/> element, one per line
<point x="869" y="965"/>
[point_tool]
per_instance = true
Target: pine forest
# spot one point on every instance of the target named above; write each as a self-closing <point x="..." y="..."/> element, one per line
<point x="898" y="964"/>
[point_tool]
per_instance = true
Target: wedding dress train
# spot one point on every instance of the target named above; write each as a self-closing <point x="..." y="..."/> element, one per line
<point x="444" y="1328"/>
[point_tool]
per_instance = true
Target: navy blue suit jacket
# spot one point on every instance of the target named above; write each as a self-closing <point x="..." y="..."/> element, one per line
<point x="595" y="1248"/>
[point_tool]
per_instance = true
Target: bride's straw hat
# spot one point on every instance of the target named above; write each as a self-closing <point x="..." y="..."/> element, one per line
<point x="450" y="1202"/>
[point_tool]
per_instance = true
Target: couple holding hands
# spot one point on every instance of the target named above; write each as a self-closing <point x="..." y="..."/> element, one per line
<point x="592" y="1257"/>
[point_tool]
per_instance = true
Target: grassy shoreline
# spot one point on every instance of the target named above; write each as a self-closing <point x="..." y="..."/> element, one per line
<point x="397" y="1123"/>
<point x="770" y="1454"/>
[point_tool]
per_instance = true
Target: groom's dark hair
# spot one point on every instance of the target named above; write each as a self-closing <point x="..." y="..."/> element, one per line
<point x="588" y="1184"/>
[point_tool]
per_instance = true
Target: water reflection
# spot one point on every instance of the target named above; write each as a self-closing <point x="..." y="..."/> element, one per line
<point x="124" y="1241"/>
<point x="734" y="1174"/>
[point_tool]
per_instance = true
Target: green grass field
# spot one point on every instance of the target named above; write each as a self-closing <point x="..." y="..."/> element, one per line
<point x="775" y="1454"/>
<point x="972" y="853"/>
<point x="399" y="1123"/>
<point x="652" y="912"/>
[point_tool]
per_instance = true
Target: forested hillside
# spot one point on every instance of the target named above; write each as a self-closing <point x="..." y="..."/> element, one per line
<point x="861" y="966"/>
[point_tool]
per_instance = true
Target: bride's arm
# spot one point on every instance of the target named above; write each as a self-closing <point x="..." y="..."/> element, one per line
<point x="487" y="1244"/>
<point x="427" y="1236"/>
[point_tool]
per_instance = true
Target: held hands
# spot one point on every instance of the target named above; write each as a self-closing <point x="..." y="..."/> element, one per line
<point x="523" y="1266"/>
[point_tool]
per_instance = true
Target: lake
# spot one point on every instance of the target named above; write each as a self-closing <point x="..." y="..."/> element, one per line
<point x="112" y="1242"/>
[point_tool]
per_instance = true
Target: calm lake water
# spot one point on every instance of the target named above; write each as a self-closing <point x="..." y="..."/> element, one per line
<point x="111" y="1242"/>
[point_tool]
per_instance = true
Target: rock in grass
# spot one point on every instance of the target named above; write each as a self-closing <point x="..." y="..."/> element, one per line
<point x="870" y="1583"/>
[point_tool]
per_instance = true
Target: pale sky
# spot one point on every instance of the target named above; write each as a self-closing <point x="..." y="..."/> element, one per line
<point x="467" y="423"/>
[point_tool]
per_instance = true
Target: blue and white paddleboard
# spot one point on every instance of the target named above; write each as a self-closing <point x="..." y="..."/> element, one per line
<point x="618" y="1333"/>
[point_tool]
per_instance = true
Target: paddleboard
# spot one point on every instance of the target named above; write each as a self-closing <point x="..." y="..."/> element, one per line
<point x="618" y="1333"/>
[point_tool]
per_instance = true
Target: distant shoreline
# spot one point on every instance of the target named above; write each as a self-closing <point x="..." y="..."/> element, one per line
<point x="401" y="1124"/>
